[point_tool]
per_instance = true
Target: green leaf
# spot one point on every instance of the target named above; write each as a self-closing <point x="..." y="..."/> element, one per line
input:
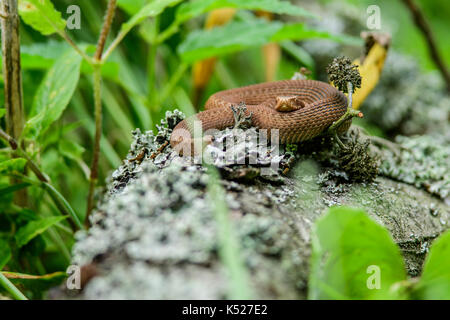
<point x="131" y="6"/>
<point x="41" y="55"/>
<point x="5" y="253"/>
<point x="12" y="165"/>
<point x="2" y="112"/>
<point x="434" y="284"/>
<point x="298" y="31"/>
<point x="71" y="150"/>
<point x="10" y="189"/>
<point x="41" y="16"/>
<point x="34" y="228"/>
<point x="237" y="36"/>
<point x="192" y="9"/>
<point x="348" y="250"/>
<point x="152" y="9"/>
<point x="54" y="94"/>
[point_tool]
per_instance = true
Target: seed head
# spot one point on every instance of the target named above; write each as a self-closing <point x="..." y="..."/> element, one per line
<point x="341" y="71"/>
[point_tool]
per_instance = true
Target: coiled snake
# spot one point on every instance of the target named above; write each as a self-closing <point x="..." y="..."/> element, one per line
<point x="299" y="109"/>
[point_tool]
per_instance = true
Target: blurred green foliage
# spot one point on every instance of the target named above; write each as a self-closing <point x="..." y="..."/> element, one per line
<point x="353" y="257"/>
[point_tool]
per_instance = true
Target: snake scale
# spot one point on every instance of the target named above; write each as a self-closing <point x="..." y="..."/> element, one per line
<point x="299" y="109"/>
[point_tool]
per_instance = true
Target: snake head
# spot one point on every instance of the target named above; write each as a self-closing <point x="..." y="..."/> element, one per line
<point x="289" y="103"/>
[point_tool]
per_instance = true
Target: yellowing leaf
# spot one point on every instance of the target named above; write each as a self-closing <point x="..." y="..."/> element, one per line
<point x="203" y="70"/>
<point x="370" y="71"/>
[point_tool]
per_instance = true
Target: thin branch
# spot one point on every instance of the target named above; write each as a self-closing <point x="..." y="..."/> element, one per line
<point x="110" y="11"/>
<point x="422" y="24"/>
<point x="98" y="134"/>
<point x="66" y="37"/>
<point x="349" y="114"/>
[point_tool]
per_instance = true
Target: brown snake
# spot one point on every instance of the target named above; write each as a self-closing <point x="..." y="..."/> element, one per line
<point x="299" y="109"/>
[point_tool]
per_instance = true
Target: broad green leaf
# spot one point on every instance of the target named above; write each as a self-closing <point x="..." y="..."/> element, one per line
<point x="434" y="284"/>
<point x="241" y="35"/>
<point x="5" y="253"/>
<point x="192" y="9"/>
<point x="41" y="55"/>
<point x="235" y="36"/>
<point x="54" y="94"/>
<point x="71" y="150"/>
<point x="131" y="6"/>
<point x="41" y="16"/>
<point x="298" y="31"/>
<point x="34" y="228"/>
<point x="2" y="112"/>
<point x="350" y="253"/>
<point x="152" y="9"/>
<point x="12" y="165"/>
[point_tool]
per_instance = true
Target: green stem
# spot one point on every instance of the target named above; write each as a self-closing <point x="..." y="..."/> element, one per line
<point x="151" y="68"/>
<point x="173" y="81"/>
<point x="11" y="288"/>
<point x="350" y="113"/>
<point x="170" y="31"/>
<point x="98" y="134"/>
<point x="61" y="203"/>
<point x="66" y="37"/>
<point x="59" y="242"/>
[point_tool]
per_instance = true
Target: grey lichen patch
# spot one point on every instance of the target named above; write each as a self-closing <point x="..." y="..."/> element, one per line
<point x="154" y="235"/>
<point x="422" y="161"/>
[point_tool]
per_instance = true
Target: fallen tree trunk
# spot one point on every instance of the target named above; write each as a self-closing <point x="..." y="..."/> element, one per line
<point x="155" y="234"/>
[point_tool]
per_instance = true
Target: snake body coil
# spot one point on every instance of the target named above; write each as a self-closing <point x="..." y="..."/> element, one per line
<point x="316" y="105"/>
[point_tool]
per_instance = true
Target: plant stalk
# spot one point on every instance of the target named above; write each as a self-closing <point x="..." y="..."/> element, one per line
<point x="11" y="288"/>
<point x="98" y="133"/>
<point x="12" y="78"/>
<point x="110" y="11"/>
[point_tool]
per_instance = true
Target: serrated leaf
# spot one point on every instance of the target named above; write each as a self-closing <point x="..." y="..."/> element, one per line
<point x="41" y="15"/>
<point x="5" y="253"/>
<point x="240" y="35"/>
<point x="54" y="94"/>
<point x="34" y="228"/>
<point x="12" y="165"/>
<point x="152" y="9"/>
<point x="192" y="9"/>
<point x="434" y="284"/>
<point x="348" y="249"/>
